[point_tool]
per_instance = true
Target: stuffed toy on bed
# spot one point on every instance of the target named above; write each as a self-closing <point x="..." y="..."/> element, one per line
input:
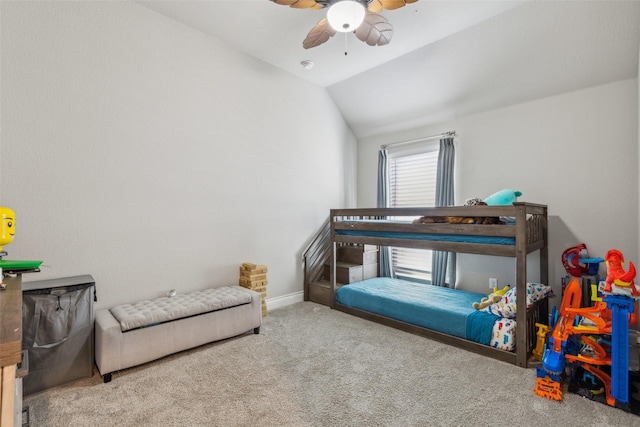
<point x="504" y="197"/>
<point x="492" y="298"/>
<point x="460" y="219"/>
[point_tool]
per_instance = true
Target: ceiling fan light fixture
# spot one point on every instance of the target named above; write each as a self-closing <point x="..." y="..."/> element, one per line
<point x="346" y="15"/>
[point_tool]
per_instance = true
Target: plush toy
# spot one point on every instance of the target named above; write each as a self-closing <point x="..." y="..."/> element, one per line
<point x="481" y="219"/>
<point x="504" y="197"/>
<point x="460" y="219"/>
<point x="492" y="298"/>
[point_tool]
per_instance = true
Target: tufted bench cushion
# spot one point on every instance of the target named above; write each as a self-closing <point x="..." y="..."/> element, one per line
<point x="132" y="334"/>
<point x="166" y="309"/>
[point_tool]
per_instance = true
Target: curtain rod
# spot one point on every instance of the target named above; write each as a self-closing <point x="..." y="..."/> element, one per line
<point x="445" y="134"/>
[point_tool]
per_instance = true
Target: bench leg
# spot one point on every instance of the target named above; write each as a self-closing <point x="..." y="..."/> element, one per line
<point x="256" y="330"/>
<point x="106" y="378"/>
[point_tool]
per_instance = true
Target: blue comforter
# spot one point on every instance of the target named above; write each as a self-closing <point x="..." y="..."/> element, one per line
<point x="445" y="310"/>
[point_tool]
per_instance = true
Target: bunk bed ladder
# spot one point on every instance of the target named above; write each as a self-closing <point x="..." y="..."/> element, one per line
<point x="315" y="257"/>
<point x="354" y="263"/>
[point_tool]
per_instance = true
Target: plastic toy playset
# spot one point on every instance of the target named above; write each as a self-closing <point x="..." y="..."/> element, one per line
<point x="589" y="346"/>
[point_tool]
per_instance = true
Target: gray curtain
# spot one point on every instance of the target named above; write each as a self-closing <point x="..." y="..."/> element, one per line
<point x="383" y="180"/>
<point x="444" y="262"/>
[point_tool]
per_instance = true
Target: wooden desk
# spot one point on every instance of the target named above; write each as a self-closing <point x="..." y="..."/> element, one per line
<point x="10" y="345"/>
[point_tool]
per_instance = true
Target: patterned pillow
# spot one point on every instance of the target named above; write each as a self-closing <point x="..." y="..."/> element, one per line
<point x="506" y="307"/>
<point x="503" y="335"/>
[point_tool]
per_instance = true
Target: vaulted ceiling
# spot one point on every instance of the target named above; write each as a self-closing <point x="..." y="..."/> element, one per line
<point x="446" y="58"/>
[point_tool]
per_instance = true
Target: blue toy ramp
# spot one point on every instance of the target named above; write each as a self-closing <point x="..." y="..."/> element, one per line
<point x="620" y="307"/>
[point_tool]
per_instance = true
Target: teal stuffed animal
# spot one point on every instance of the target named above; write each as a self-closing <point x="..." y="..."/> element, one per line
<point x="504" y="197"/>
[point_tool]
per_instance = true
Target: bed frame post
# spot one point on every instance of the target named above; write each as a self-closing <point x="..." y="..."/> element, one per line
<point x="332" y="259"/>
<point x="522" y="334"/>
<point x="543" y="313"/>
<point x="544" y="252"/>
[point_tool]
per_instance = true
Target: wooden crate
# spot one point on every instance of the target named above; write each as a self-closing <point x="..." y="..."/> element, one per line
<point x="254" y="277"/>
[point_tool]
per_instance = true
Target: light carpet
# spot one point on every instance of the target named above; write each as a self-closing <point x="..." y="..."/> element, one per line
<point x="313" y="366"/>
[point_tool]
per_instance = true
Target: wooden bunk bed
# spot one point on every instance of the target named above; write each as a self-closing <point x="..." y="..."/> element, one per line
<point x="524" y="233"/>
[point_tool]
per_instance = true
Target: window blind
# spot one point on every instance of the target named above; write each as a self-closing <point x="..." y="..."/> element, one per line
<point x="412" y="183"/>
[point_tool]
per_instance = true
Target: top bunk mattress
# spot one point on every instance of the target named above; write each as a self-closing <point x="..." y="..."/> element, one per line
<point x="445" y="310"/>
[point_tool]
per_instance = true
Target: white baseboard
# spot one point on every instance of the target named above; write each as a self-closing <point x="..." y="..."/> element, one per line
<point x="277" y="302"/>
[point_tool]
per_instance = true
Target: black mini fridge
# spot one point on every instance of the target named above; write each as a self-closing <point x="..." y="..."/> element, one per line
<point x="57" y="331"/>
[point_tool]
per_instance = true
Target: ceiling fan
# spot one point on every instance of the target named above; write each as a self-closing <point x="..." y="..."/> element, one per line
<point x="358" y="16"/>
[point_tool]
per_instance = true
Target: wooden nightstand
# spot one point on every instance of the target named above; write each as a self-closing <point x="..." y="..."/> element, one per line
<point x="10" y="346"/>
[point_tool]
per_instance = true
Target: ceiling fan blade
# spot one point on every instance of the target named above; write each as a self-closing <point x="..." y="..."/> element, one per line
<point x="375" y="6"/>
<point x="378" y="5"/>
<point x="319" y="34"/>
<point x="375" y="30"/>
<point x="300" y="4"/>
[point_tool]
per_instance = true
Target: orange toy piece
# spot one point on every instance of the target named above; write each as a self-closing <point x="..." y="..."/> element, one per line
<point x="616" y="274"/>
<point x="570" y="309"/>
<point x="547" y="388"/>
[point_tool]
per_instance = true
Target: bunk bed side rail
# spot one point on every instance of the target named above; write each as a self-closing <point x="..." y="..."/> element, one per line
<point x="529" y="208"/>
<point x="470" y="248"/>
<point x="467" y="229"/>
<point x="428" y="211"/>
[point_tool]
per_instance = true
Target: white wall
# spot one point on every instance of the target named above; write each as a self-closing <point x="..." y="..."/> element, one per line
<point x="154" y="157"/>
<point x="576" y="152"/>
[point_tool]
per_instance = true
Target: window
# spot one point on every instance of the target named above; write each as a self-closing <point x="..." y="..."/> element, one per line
<point x="412" y="182"/>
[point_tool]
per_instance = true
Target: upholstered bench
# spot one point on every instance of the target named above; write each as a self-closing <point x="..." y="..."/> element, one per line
<point x="132" y="334"/>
